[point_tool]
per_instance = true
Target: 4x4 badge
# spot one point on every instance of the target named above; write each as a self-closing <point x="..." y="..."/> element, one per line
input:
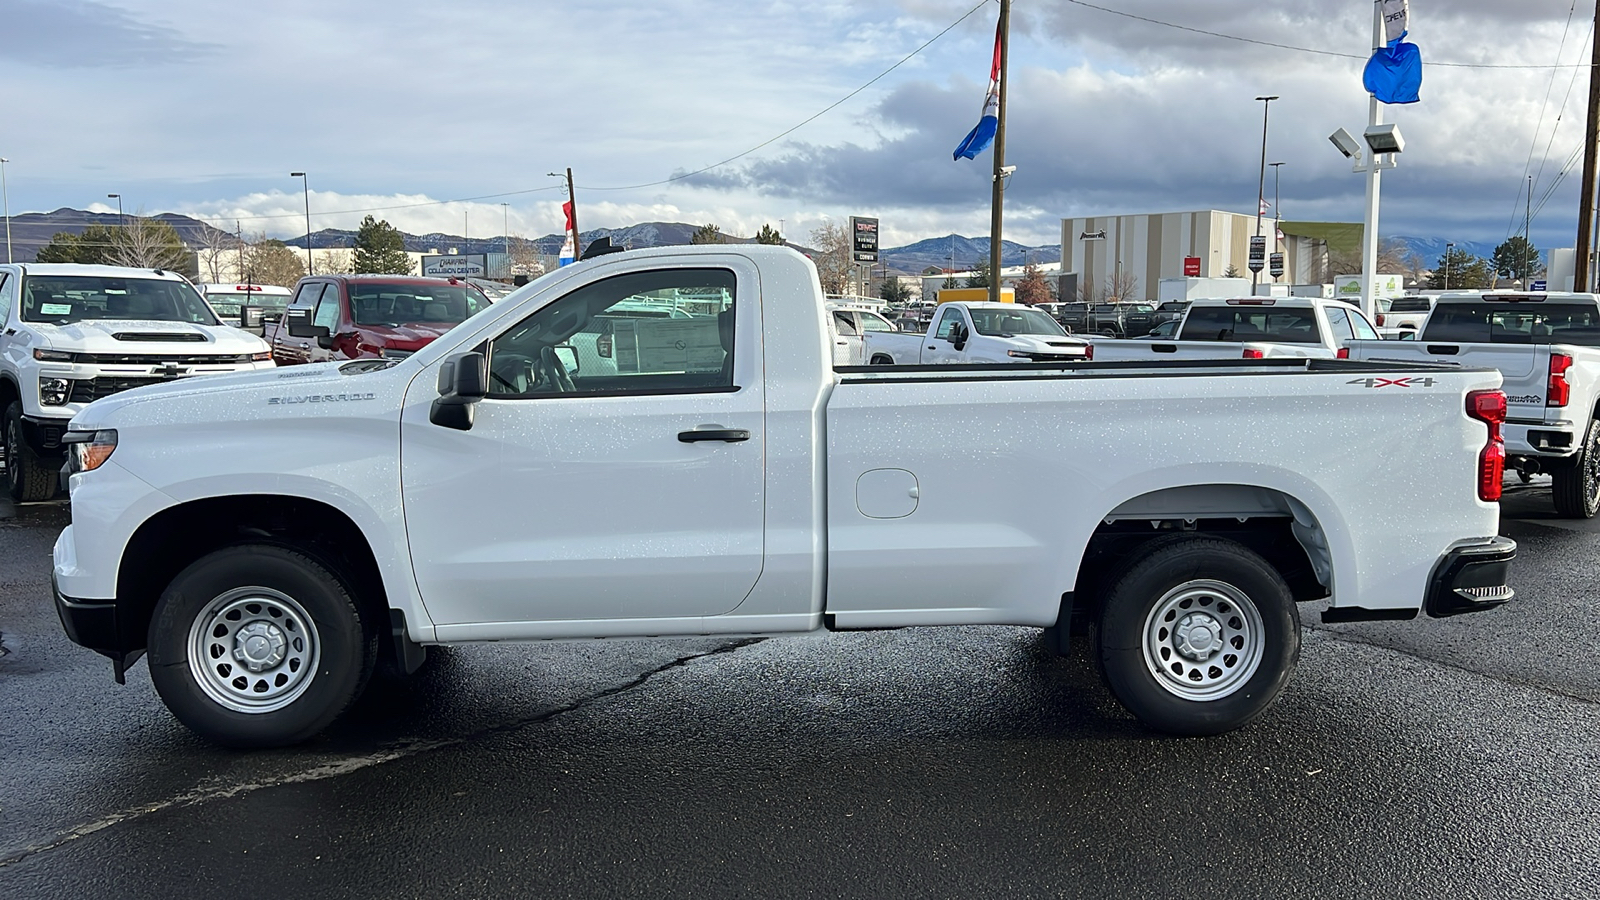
<point x="1392" y="382"/>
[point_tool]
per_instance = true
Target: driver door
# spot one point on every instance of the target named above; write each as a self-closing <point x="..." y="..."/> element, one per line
<point x="629" y="490"/>
<point x="939" y="349"/>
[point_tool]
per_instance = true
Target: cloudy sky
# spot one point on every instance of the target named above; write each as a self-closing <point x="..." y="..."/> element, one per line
<point x="204" y="108"/>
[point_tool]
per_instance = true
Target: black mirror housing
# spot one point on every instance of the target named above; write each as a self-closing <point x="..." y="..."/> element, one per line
<point x="463" y="381"/>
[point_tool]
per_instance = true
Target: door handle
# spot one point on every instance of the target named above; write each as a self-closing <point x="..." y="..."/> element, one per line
<point x="726" y="435"/>
<point x="932" y="347"/>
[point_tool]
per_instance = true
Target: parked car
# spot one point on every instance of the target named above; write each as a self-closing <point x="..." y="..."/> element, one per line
<point x="337" y="317"/>
<point x="1109" y="319"/>
<point x="730" y="481"/>
<point x="850" y="324"/>
<point x="247" y="306"/>
<point x="1170" y="311"/>
<point x="1547" y="347"/>
<point x="71" y="334"/>
<point x="1252" y="328"/>
<point x="978" y="333"/>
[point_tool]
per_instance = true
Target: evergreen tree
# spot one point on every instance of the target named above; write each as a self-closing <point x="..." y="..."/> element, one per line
<point x="380" y="249"/>
<point x="949" y="283"/>
<point x="706" y="234"/>
<point x="980" y="274"/>
<point x="769" y="236"/>
<point x="1518" y="257"/>
<point x="894" y="290"/>
<point x="93" y="247"/>
<point x="1232" y="271"/>
<point x="1460" y="270"/>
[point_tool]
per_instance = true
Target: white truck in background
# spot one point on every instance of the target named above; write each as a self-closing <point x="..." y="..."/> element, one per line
<point x="72" y="334"/>
<point x="963" y="332"/>
<point x="263" y="535"/>
<point x="1183" y="290"/>
<point x="1547" y="348"/>
<point x="850" y="325"/>
<point x="1251" y="328"/>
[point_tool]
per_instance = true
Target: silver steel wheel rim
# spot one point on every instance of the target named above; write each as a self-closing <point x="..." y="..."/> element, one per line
<point x="1203" y="640"/>
<point x="1591" y="471"/>
<point x="253" y="650"/>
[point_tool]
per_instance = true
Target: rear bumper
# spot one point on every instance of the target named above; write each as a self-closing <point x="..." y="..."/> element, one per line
<point x="1556" y="439"/>
<point x="1472" y="578"/>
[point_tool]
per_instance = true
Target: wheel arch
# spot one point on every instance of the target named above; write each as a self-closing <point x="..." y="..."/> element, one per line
<point x="169" y="541"/>
<point x="1270" y="521"/>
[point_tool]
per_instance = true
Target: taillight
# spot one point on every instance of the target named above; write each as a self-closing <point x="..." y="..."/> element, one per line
<point x="1252" y="353"/>
<point x="1559" y="390"/>
<point x="602" y="346"/>
<point x="1344" y="353"/>
<point x="1380" y="320"/>
<point x="1088" y="351"/>
<point x="1489" y="407"/>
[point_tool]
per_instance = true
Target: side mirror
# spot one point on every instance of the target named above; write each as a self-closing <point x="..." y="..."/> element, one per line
<point x="568" y="355"/>
<point x="463" y="381"/>
<point x="958" y="337"/>
<point x="299" y="322"/>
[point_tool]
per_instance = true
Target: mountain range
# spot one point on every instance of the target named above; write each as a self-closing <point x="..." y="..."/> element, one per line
<point x="32" y="231"/>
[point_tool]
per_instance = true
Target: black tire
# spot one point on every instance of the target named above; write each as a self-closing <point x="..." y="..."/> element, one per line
<point x="226" y="702"/>
<point x="1198" y="585"/>
<point x="1108" y="331"/>
<point x="28" y="478"/>
<point x="1575" y="482"/>
<point x="881" y="360"/>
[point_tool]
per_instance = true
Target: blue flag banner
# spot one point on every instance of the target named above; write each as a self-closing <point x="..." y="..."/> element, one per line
<point x="982" y="135"/>
<point x="1394" y="73"/>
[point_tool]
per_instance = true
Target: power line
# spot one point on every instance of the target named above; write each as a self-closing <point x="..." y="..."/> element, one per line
<point x="1533" y="143"/>
<point x="1245" y="40"/>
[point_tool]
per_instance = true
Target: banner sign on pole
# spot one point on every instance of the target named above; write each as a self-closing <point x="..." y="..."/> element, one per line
<point x="1258" y="252"/>
<point x="1191" y="267"/>
<point x="863" y="239"/>
<point x="1276" y="266"/>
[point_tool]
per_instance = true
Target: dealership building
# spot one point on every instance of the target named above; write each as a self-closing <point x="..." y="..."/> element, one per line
<point x="1137" y="251"/>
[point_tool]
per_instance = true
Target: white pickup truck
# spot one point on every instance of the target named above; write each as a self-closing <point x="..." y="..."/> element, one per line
<point x="1251" y="328"/>
<point x="266" y="537"/>
<point x="71" y="334"/>
<point x="978" y="333"/>
<point x="1547" y="347"/>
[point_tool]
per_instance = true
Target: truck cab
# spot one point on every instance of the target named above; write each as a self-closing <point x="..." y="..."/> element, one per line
<point x="343" y="317"/>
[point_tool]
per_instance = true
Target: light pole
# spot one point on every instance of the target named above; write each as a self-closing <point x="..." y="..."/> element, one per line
<point x="1277" y="214"/>
<point x="121" y="219"/>
<point x="1448" y="246"/>
<point x="1261" y="190"/>
<point x="5" y="197"/>
<point x="505" y="232"/>
<point x="305" y="191"/>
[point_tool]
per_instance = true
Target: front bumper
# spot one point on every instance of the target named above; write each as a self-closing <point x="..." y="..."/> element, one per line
<point x="1472" y="578"/>
<point x="89" y="623"/>
<point x="43" y="434"/>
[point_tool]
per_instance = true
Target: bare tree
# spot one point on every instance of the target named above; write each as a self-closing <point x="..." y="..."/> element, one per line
<point x="524" y="256"/>
<point x="218" y="254"/>
<point x="146" y="243"/>
<point x="1391" y="260"/>
<point x="832" y="257"/>
<point x="330" y="262"/>
<point x="1122" y="287"/>
<point x="270" y="262"/>
<point x="1087" y="293"/>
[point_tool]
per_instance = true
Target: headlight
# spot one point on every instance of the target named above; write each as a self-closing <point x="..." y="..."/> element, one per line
<point x="263" y="356"/>
<point x="1019" y="354"/>
<point x="51" y="356"/>
<point x="89" y="449"/>
<point x="54" y="391"/>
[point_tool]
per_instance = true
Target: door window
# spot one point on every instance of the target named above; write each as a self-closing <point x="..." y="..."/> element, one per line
<point x="948" y="322"/>
<point x="875" y="322"/>
<point x="1339" y="324"/>
<point x="666" y="331"/>
<point x="328" y="309"/>
<point x="1364" y="329"/>
<point x="5" y="296"/>
<point x="306" y="294"/>
<point x="843" y="324"/>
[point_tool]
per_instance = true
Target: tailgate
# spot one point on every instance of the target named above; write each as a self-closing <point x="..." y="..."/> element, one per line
<point x="1525" y="368"/>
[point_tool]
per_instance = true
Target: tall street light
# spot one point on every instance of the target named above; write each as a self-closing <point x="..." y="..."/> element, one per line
<point x="1261" y="192"/>
<point x="121" y="219"/>
<point x="1448" y="246"/>
<point x="1277" y="214"/>
<point x="5" y="197"/>
<point x="305" y="190"/>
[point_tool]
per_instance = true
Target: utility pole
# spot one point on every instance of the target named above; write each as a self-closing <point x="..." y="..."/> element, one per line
<point x="997" y="204"/>
<point x="1591" y="160"/>
<point x="1527" y="238"/>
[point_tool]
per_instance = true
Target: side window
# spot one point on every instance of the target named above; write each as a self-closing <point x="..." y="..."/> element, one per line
<point x="875" y="322"/>
<point x="1364" y="329"/>
<point x="306" y="295"/>
<point x="1339" y="322"/>
<point x="664" y="331"/>
<point x="328" y="308"/>
<point x="947" y="322"/>
<point x="843" y="324"/>
<point x="6" y="290"/>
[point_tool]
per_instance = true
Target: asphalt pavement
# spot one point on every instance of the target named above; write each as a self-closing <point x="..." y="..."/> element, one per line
<point x="1427" y="758"/>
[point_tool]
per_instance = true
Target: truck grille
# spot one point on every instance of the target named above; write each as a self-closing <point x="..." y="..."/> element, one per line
<point x="155" y="338"/>
<point x="92" y="389"/>
<point x="148" y="359"/>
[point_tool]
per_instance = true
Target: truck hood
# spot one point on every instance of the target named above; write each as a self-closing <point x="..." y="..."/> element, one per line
<point x="146" y="337"/>
<point x="410" y="336"/>
<point x="290" y="384"/>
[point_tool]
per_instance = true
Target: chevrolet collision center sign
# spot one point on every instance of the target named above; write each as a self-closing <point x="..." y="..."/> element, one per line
<point x="475" y="265"/>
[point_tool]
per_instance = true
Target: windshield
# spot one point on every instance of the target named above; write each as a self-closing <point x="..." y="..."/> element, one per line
<point x="1008" y="322"/>
<point x="62" y="299"/>
<point x="229" y="304"/>
<point x="1515" y="323"/>
<point x="1250" y="323"/>
<point x="405" y="304"/>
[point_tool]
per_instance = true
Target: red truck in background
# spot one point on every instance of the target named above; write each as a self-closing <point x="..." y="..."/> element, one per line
<point x="340" y="317"/>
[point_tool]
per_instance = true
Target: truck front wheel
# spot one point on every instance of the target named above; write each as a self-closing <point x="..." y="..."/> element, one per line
<point x="28" y="477"/>
<point x="1575" y="482"/>
<point x="1198" y="637"/>
<point x="259" y="646"/>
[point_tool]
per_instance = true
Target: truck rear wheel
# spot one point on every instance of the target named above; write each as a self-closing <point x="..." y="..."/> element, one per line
<point x="1575" y="483"/>
<point x="28" y="478"/>
<point x="259" y="646"/>
<point x="1198" y="637"/>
